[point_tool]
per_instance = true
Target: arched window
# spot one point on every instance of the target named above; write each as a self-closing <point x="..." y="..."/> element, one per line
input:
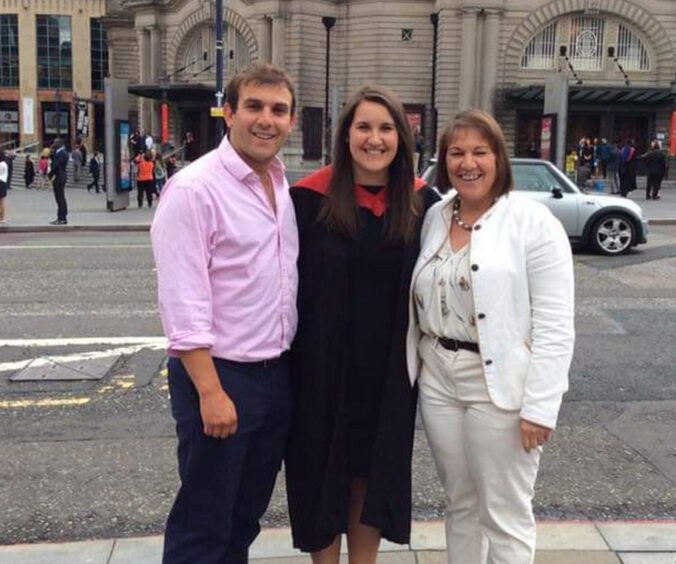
<point x="589" y="41"/>
<point x="198" y="63"/>
<point x="631" y="53"/>
<point x="540" y="53"/>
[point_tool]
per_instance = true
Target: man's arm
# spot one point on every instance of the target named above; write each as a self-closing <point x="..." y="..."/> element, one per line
<point x="219" y="415"/>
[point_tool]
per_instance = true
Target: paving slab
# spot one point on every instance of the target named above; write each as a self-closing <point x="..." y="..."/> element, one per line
<point x="273" y="542"/>
<point x="88" y="552"/>
<point x="639" y="536"/>
<point x="145" y="550"/>
<point x="575" y="557"/>
<point x="428" y="535"/>
<point x="647" y="558"/>
<point x="569" y="536"/>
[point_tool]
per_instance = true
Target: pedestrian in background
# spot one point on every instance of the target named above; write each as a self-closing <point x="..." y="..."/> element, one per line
<point x="491" y="371"/>
<point x="225" y="245"/>
<point x="571" y="164"/>
<point x="9" y="159"/>
<point x="58" y="175"/>
<point x="145" y="179"/>
<point x="348" y="463"/>
<point x="76" y="157"/>
<point x="603" y="152"/>
<point x="4" y="178"/>
<point x="656" y="168"/>
<point x="160" y="174"/>
<point x="43" y="169"/>
<point x="95" y="171"/>
<point x="627" y="168"/>
<point x="28" y="172"/>
<point x="612" y="167"/>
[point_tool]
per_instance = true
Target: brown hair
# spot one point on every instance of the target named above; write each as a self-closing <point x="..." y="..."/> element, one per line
<point x="340" y="210"/>
<point x="485" y="124"/>
<point x="259" y="73"/>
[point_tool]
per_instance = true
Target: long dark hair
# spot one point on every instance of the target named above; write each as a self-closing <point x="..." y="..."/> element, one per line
<point x="340" y="210"/>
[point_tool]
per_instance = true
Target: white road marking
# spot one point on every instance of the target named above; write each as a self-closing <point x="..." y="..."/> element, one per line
<point x="61" y="342"/>
<point x="43" y="247"/>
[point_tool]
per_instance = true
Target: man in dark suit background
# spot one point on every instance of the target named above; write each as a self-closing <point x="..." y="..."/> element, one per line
<point x="58" y="175"/>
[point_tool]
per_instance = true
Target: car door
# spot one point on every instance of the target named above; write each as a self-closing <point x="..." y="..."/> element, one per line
<point x="538" y="182"/>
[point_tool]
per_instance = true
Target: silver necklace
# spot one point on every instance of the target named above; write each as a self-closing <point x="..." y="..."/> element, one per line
<point x="456" y="216"/>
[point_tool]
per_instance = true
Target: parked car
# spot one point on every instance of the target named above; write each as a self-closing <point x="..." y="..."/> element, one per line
<point x="609" y="225"/>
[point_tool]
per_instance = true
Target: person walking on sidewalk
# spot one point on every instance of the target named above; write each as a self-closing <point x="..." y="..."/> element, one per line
<point x="59" y="176"/>
<point x="28" y="172"/>
<point x="145" y="181"/>
<point x="627" y="168"/>
<point x="95" y="171"/>
<point x="490" y="342"/>
<point x="656" y="168"/>
<point x="76" y="157"/>
<point x="225" y="243"/>
<point x="4" y="178"/>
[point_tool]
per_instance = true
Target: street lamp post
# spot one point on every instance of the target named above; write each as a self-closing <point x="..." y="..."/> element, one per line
<point x="328" y="22"/>
<point x="219" y="67"/>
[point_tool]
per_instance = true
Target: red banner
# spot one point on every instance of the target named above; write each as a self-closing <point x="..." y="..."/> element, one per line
<point x="165" y="124"/>
<point x="672" y="135"/>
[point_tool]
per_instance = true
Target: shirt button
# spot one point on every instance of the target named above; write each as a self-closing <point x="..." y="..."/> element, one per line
<point x="477" y="227"/>
<point x="482" y="316"/>
<point x="489" y="362"/>
<point x="475" y="267"/>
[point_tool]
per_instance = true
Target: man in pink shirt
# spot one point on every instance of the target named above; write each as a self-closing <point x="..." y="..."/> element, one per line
<point x="225" y="244"/>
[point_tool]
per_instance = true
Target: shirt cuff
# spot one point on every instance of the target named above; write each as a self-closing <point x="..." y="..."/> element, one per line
<point x="191" y="341"/>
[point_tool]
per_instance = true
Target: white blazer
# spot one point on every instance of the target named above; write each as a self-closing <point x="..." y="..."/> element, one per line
<point x="523" y="288"/>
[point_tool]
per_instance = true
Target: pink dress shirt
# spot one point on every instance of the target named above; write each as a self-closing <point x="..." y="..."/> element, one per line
<point x="226" y="264"/>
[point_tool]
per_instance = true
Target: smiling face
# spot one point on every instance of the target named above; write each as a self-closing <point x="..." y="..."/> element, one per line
<point x="260" y="124"/>
<point x="373" y="142"/>
<point x="471" y="165"/>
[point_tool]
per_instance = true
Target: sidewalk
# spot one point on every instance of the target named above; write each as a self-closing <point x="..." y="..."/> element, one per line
<point x="32" y="210"/>
<point x="558" y="543"/>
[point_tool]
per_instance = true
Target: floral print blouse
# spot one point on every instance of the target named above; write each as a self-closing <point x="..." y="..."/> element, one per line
<point x="443" y="296"/>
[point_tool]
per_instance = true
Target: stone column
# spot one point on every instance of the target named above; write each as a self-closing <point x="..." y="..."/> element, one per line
<point x="468" y="59"/>
<point x="278" y="40"/>
<point x="143" y="41"/>
<point x="489" y="66"/>
<point x="262" y="25"/>
<point x="155" y="74"/>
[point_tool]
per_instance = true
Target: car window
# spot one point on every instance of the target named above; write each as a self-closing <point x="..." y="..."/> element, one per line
<point x="534" y="178"/>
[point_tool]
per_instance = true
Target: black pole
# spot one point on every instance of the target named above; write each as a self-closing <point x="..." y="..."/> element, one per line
<point x="328" y="22"/>
<point x="431" y="115"/>
<point x="219" y="67"/>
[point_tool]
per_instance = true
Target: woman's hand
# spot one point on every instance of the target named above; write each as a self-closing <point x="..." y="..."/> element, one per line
<point x="533" y="435"/>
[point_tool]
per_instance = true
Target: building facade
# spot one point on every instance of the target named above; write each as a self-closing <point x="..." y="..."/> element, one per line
<point x="440" y="56"/>
<point x="53" y="60"/>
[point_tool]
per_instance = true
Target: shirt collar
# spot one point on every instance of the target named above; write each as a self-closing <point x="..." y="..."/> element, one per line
<point x="240" y="169"/>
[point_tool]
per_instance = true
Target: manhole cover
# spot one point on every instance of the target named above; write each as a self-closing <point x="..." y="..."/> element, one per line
<point x="43" y="369"/>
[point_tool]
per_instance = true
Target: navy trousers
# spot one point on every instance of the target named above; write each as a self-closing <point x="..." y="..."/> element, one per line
<point x="226" y="484"/>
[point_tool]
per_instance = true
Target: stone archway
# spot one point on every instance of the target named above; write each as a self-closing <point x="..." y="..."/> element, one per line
<point x="200" y="16"/>
<point x="638" y="17"/>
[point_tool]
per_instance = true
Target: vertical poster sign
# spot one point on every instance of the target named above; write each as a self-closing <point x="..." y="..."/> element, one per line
<point x="28" y="115"/>
<point x="165" y="123"/>
<point x="672" y="135"/>
<point x="548" y="138"/>
<point x="82" y="123"/>
<point x="123" y="164"/>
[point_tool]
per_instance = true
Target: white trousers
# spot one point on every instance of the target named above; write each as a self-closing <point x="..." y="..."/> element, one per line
<point x="487" y="476"/>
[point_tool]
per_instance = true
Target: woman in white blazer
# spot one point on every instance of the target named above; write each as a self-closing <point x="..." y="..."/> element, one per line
<point x="490" y="342"/>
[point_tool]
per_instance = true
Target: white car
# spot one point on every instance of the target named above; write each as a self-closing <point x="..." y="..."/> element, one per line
<point x="609" y="225"/>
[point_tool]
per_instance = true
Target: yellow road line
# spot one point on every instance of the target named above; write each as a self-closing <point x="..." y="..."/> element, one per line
<point x="47" y="402"/>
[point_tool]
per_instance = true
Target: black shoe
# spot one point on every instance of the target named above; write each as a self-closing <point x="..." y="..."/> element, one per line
<point x="647" y="197"/>
<point x="58" y="222"/>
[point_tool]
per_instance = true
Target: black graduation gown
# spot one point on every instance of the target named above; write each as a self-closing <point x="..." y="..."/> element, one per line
<point x="316" y="462"/>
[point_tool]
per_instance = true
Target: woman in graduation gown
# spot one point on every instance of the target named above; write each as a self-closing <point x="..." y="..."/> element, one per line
<point x="348" y="466"/>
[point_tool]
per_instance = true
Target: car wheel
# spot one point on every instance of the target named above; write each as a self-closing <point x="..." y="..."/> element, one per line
<point x="612" y="234"/>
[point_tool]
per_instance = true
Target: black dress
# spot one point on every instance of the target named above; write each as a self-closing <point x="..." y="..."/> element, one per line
<point x="354" y="409"/>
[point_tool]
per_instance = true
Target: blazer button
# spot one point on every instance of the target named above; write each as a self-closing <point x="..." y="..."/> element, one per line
<point x="475" y="267"/>
<point x="482" y="316"/>
<point x="489" y="362"/>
